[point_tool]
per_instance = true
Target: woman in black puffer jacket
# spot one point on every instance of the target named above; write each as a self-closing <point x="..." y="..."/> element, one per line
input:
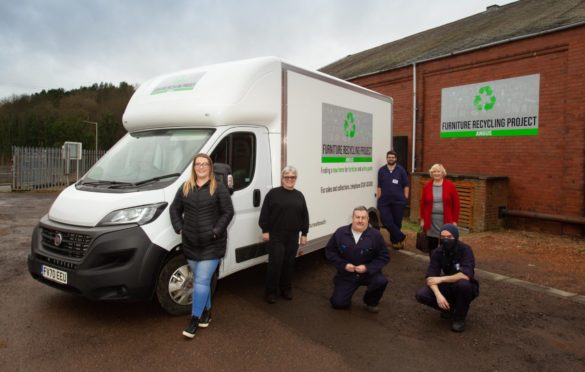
<point x="201" y="212"/>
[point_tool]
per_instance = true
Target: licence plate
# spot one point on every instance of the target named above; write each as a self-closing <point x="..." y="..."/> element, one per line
<point x="53" y="274"/>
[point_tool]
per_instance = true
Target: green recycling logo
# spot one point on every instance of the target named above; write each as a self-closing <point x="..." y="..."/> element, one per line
<point x="349" y="125"/>
<point x="485" y="100"/>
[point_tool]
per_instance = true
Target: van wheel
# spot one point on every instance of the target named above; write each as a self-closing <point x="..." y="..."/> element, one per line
<point x="174" y="290"/>
<point x="374" y="220"/>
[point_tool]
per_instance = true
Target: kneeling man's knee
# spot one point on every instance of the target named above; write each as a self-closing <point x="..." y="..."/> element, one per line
<point x="379" y="281"/>
<point x="338" y="304"/>
<point x="423" y="295"/>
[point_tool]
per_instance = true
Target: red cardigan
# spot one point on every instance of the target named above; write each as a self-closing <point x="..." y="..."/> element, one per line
<point x="450" y="203"/>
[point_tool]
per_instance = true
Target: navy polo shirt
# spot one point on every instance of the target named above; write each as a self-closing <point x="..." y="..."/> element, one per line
<point x="392" y="185"/>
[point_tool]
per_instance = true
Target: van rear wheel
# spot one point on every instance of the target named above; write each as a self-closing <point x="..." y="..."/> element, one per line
<point x="174" y="290"/>
<point x="374" y="217"/>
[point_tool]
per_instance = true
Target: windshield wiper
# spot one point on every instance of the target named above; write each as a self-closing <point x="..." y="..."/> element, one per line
<point x="119" y="184"/>
<point x="103" y="182"/>
<point x="158" y="178"/>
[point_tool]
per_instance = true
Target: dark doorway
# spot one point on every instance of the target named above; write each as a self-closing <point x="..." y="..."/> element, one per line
<point x="400" y="145"/>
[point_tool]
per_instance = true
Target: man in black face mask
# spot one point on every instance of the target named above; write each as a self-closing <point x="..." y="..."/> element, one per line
<point x="452" y="292"/>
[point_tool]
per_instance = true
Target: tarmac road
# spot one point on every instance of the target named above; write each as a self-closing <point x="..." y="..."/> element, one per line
<point x="509" y="327"/>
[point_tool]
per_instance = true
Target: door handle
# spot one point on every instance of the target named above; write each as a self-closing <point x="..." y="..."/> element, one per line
<point x="256" y="198"/>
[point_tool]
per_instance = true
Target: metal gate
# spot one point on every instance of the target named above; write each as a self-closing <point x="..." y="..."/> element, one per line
<point x="41" y="168"/>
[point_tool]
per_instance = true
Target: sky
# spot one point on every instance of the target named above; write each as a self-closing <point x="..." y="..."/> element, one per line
<point x="50" y="44"/>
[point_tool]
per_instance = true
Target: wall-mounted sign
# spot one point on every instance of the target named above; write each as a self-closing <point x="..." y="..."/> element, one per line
<point x="507" y="107"/>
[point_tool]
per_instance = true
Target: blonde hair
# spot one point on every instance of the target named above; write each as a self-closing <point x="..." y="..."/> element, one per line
<point x="192" y="181"/>
<point x="438" y="167"/>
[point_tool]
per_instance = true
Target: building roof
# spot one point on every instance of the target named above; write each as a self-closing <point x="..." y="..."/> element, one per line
<point x="496" y="24"/>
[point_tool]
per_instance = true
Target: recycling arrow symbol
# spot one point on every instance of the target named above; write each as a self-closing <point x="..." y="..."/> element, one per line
<point x="485" y="100"/>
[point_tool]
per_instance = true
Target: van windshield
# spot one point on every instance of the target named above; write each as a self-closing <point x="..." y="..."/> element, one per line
<point x="149" y="156"/>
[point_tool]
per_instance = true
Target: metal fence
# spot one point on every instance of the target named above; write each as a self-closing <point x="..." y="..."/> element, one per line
<point x="38" y="168"/>
<point x="5" y="175"/>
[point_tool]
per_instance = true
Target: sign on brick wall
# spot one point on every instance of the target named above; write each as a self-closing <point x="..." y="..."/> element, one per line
<point x="507" y="107"/>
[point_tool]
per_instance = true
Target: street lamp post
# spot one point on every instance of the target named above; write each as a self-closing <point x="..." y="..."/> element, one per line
<point x="96" y="135"/>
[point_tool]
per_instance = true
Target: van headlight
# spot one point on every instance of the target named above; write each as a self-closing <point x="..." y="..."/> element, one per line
<point x="141" y="215"/>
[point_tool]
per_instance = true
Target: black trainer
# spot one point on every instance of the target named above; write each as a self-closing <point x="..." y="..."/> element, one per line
<point x="458" y="326"/>
<point x="271" y="298"/>
<point x="399" y="245"/>
<point x="205" y="318"/>
<point x="191" y="328"/>
<point x="374" y="309"/>
<point x="287" y="294"/>
<point x="446" y="314"/>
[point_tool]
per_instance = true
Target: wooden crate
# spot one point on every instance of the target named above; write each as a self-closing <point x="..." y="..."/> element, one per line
<point x="466" y="191"/>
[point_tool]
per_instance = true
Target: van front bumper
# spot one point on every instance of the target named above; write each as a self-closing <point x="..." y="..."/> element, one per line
<point x="117" y="263"/>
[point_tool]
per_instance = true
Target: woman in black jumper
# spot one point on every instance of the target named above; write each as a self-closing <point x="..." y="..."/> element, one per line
<point x="284" y="214"/>
<point x="201" y="212"/>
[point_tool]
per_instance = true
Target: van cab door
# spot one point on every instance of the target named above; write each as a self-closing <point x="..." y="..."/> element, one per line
<point x="247" y="151"/>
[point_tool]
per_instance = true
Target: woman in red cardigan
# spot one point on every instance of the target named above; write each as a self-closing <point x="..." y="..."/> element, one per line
<point x="439" y="204"/>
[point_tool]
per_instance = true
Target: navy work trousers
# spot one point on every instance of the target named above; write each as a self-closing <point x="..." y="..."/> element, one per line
<point x="458" y="294"/>
<point x="391" y="215"/>
<point x="346" y="285"/>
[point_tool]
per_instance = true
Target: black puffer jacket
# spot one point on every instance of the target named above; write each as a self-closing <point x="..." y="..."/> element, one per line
<point x="203" y="220"/>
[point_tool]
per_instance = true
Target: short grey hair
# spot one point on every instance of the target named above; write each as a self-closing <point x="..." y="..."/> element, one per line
<point x="360" y="208"/>
<point x="288" y="169"/>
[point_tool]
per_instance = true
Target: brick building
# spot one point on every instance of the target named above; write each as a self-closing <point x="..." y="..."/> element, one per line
<point x="534" y="51"/>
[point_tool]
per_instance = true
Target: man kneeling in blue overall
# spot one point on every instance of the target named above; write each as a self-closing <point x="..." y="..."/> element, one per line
<point x="452" y="292"/>
<point x="359" y="253"/>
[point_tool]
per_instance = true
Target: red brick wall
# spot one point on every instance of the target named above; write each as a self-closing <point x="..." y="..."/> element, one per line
<point x="397" y="85"/>
<point x="546" y="172"/>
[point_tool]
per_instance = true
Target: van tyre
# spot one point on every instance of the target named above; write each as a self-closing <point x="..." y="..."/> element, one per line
<point x="374" y="217"/>
<point x="174" y="288"/>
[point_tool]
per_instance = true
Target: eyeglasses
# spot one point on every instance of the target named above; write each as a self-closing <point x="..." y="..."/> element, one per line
<point x="202" y="165"/>
<point x="289" y="177"/>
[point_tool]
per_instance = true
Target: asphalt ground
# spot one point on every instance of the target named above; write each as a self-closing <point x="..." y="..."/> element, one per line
<point x="511" y="326"/>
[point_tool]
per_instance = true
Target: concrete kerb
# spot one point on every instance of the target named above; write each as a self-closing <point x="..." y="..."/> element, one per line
<point x="575" y="297"/>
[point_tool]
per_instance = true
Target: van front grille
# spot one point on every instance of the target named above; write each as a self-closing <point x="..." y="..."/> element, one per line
<point x="57" y="263"/>
<point x="66" y="244"/>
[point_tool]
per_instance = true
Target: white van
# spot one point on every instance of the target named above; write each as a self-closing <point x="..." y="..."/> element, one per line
<point x="109" y="236"/>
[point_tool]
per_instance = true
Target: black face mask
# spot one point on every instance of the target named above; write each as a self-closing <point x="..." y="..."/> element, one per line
<point x="449" y="245"/>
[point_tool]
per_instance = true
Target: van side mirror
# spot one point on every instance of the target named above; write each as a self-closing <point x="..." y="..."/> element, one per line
<point x="223" y="174"/>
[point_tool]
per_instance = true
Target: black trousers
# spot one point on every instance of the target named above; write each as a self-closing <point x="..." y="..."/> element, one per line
<point x="282" y="252"/>
<point x="344" y="286"/>
<point x="458" y="294"/>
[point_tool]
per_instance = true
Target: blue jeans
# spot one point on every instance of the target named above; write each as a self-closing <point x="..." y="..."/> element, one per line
<point x="202" y="274"/>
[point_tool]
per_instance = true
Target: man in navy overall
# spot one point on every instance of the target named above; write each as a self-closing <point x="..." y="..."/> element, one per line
<point x="452" y="292"/>
<point x="392" y="194"/>
<point x="359" y="253"/>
